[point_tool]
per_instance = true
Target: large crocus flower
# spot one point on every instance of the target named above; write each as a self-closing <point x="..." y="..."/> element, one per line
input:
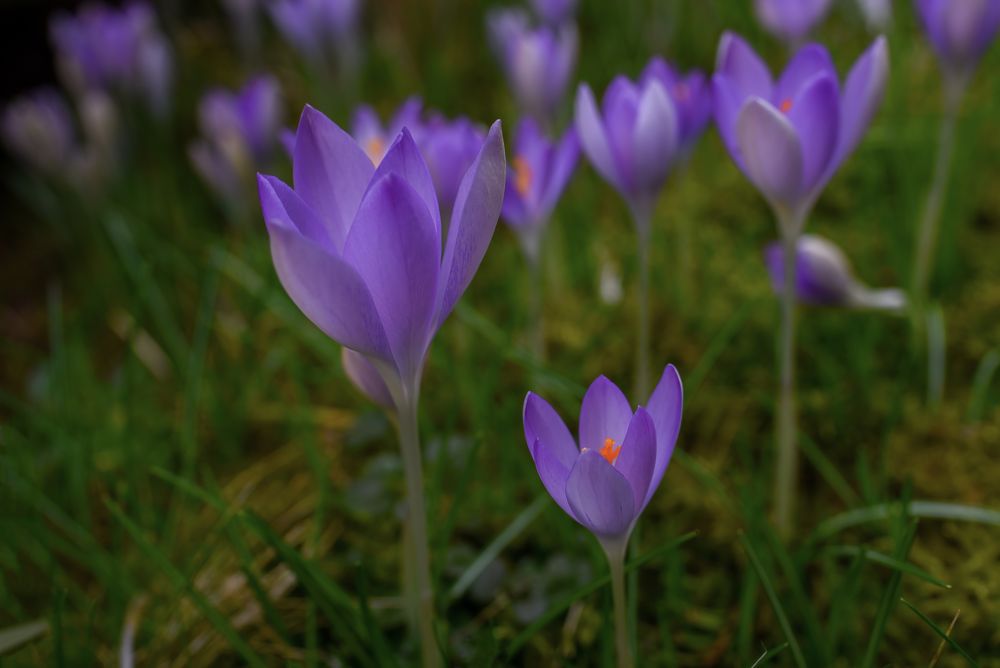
<point x="790" y="20"/>
<point x="960" y="30"/>
<point x="537" y="61"/>
<point x="789" y="136"/>
<point x="824" y="277"/>
<point x="449" y="146"/>
<point x="691" y="93"/>
<point x="375" y="137"/>
<point x="117" y="50"/>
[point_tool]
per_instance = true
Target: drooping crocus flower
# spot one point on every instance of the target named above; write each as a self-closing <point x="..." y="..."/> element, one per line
<point x="318" y="28"/>
<point x="789" y="136"/>
<point x="790" y="20"/>
<point x="239" y="134"/>
<point x="536" y="178"/>
<point x="449" y="146"/>
<point x="960" y="31"/>
<point x="824" y="277"/>
<point x="358" y="248"/>
<point x="537" y="61"/>
<point x="606" y="478"/>
<point x="691" y="94"/>
<point x="115" y="50"/>
<point x="374" y="137"/>
<point x="554" y="12"/>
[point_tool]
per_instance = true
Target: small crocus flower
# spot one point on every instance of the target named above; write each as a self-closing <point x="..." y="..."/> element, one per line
<point x="605" y="479"/>
<point x="318" y="28"/>
<point x="691" y="94"/>
<point x="449" y="146"/>
<point x="960" y="31"/>
<point x="554" y="12"/>
<point x="537" y="61"/>
<point x="116" y="50"/>
<point x="239" y="133"/>
<point x="789" y="136"/>
<point x="790" y="20"/>
<point x="824" y="277"/>
<point x="358" y="248"/>
<point x="38" y="128"/>
<point x="374" y="137"/>
<point x="537" y="176"/>
<point x="632" y="140"/>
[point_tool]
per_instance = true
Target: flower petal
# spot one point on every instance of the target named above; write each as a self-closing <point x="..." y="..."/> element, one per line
<point x="654" y="138"/>
<point x="561" y="167"/>
<point x="666" y="406"/>
<point x="815" y="113"/>
<point x="366" y="378"/>
<point x="861" y="98"/>
<point x="404" y="158"/>
<point x="771" y="152"/>
<point x="637" y="458"/>
<point x="395" y="247"/>
<point x="743" y="67"/>
<point x="553" y="474"/>
<point x="605" y="413"/>
<point x="728" y="103"/>
<point x="331" y="172"/>
<point x="600" y="497"/>
<point x="594" y="138"/>
<point x="543" y="424"/>
<point x="477" y="209"/>
<point x="809" y="61"/>
<point x="282" y="206"/>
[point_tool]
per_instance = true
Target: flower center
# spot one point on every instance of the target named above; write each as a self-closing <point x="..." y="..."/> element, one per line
<point x="375" y="148"/>
<point x="786" y="106"/>
<point x="523" y="176"/>
<point x="610" y="450"/>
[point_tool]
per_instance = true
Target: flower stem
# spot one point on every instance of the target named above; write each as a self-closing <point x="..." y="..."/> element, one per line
<point x="642" y="347"/>
<point x="419" y="592"/>
<point x="786" y="471"/>
<point x="531" y="243"/>
<point x="931" y="217"/>
<point x="615" y="552"/>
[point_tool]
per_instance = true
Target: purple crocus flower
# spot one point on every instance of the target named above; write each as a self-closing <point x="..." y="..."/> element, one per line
<point x="789" y="136"/>
<point x="554" y="12"/>
<point x="317" y="28"/>
<point x="38" y="128"/>
<point x="960" y="30"/>
<point x="632" y="140"/>
<point x="691" y="94"/>
<point x="824" y="277"/>
<point x="239" y="133"/>
<point x="120" y="50"/>
<point x="536" y="178"/>
<point x="790" y="20"/>
<point x="605" y="479"/>
<point x="537" y="61"/>
<point x="449" y="146"/>
<point x="374" y="137"/>
<point x="358" y="248"/>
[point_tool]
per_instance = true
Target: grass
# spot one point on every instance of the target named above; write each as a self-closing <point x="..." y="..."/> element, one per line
<point x="182" y="456"/>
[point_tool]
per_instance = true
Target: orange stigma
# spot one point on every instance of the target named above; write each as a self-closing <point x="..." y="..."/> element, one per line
<point x="523" y="176"/>
<point x="786" y="106"/>
<point x="610" y="450"/>
<point x="375" y="148"/>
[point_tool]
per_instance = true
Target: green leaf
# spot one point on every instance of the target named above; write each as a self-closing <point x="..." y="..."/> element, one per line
<point x="886" y="560"/>
<point x="889" y="597"/>
<point x="13" y="637"/>
<point x="920" y="509"/>
<point x="944" y="636"/>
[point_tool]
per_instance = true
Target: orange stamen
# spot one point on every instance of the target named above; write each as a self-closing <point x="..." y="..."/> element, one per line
<point x="610" y="450"/>
<point x="786" y="106"/>
<point x="375" y="148"/>
<point x="523" y="176"/>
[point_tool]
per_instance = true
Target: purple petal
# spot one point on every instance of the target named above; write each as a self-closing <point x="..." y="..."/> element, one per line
<point x="605" y="413"/>
<point x="477" y="209"/>
<point x="543" y="424"/>
<point x="654" y="138"/>
<point x="666" y="406"/>
<point x="553" y="474"/>
<point x="637" y="458"/>
<point x="810" y="60"/>
<point x="728" y="103"/>
<point x="593" y="137"/>
<point x="862" y="96"/>
<point x="282" y="206"/>
<point x="815" y="113"/>
<point x="620" y="107"/>
<point x="395" y="246"/>
<point x="404" y="158"/>
<point x="822" y="272"/>
<point x="366" y="378"/>
<point x="600" y="497"/>
<point x="743" y="67"/>
<point x="514" y="210"/>
<point x="771" y="152"/>
<point x="564" y="160"/>
<point x="331" y="172"/>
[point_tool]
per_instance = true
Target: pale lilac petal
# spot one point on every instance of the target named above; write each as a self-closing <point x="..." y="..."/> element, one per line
<point x="600" y="497"/>
<point x="815" y="113"/>
<point x="728" y="103"/>
<point x="654" y="139"/>
<point x="862" y="97"/>
<point x="564" y="160"/>
<point x="553" y="474"/>
<point x="743" y="67"/>
<point x="605" y="413"/>
<point x="331" y="172"/>
<point x="477" y="209"/>
<point x="771" y="151"/>
<point x="593" y="137"/>
<point x="666" y="406"/>
<point x="809" y="61"/>
<point x="395" y="246"/>
<point x="366" y="378"/>
<point x="637" y="457"/>
<point x="620" y="107"/>
<point x="543" y="424"/>
<point x="404" y="158"/>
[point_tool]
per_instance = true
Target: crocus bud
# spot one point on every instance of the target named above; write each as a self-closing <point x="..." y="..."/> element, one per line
<point x="824" y="277"/>
<point x="790" y="20"/>
<point x="960" y="30"/>
<point x="554" y="12"/>
<point x="38" y="129"/>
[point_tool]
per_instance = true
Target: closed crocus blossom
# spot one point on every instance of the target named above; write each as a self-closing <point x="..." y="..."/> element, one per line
<point x="606" y="478"/>
<point x="960" y="30"/>
<point x="537" y="61"/>
<point x="449" y="146"/>
<point x="374" y="137"/>
<point x="789" y="136"/>
<point x="691" y="94"/>
<point x="824" y="277"/>
<point x="790" y="20"/>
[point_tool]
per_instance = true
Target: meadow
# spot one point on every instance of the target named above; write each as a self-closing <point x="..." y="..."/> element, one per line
<point x="188" y="477"/>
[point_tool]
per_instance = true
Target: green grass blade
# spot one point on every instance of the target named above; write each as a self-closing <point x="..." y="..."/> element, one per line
<point x="944" y="636"/>
<point x="828" y="471"/>
<point x="920" y="509"/>
<point x="718" y="345"/>
<point x="182" y="583"/>
<point x="14" y="637"/>
<point x="772" y="595"/>
<point x="563" y="604"/>
<point x="889" y="597"/>
<point x="769" y="654"/>
<point x="981" y="386"/>
<point x="936" y="355"/>
<point x="886" y="560"/>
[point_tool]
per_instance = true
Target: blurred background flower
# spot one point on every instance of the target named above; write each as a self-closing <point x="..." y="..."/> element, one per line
<point x="791" y="20"/>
